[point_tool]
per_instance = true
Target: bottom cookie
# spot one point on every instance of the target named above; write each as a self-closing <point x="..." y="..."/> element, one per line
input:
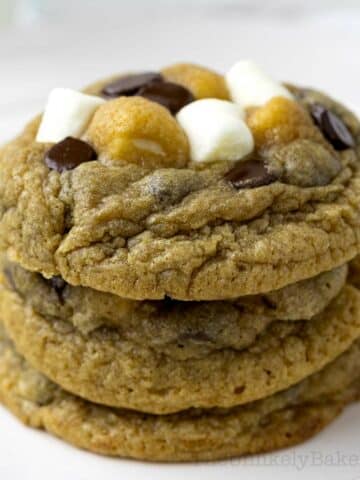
<point x="280" y="420"/>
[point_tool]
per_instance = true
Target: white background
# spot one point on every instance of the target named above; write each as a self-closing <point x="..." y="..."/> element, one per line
<point x="71" y="43"/>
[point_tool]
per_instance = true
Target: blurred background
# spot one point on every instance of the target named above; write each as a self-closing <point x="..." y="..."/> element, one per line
<point x="69" y="43"/>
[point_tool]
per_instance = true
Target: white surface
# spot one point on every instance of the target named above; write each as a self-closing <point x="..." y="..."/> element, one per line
<point x="32" y="455"/>
<point x="313" y="48"/>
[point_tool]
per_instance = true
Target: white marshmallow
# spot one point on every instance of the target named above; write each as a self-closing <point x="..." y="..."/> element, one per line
<point x="221" y="106"/>
<point x="251" y="87"/>
<point x="67" y="113"/>
<point x="215" y="130"/>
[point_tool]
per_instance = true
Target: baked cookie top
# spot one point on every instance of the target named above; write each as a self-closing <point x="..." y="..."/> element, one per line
<point x="183" y="183"/>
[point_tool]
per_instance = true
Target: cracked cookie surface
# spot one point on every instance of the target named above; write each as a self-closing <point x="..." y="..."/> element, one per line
<point x="177" y="329"/>
<point x="110" y="367"/>
<point x="187" y="233"/>
<point x="281" y="420"/>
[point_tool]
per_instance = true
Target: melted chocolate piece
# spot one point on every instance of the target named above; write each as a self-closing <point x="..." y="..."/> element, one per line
<point x="317" y="111"/>
<point x="332" y="127"/>
<point x="170" y="95"/>
<point x="250" y="174"/>
<point x="152" y="86"/>
<point x="68" y="154"/>
<point x="58" y="285"/>
<point x="130" y="84"/>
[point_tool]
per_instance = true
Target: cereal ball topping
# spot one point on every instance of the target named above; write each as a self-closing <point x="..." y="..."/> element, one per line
<point x="202" y="82"/>
<point x="138" y="131"/>
<point x="280" y="121"/>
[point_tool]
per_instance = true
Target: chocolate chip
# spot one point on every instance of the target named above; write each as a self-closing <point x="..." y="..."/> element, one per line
<point x="170" y="95"/>
<point x="58" y="285"/>
<point x="152" y="86"/>
<point x="317" y="111"/>
<point x="332" y="127"/>
<point x="250" y="174"/>
<point x="68" y="154"/>
<point x="130" y="84"/>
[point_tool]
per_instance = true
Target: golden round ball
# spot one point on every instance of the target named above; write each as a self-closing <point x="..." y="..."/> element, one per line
<point x="279" y="122"/>
<point x="136" y="130"/>
<point x="202" y="82"/>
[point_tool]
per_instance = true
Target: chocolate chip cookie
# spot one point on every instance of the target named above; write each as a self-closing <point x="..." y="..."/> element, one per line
<point x="129" y="212"/>
<point x="174" y="257"/>
<point x="281" y="420"/>
<point x="162" y="358"/>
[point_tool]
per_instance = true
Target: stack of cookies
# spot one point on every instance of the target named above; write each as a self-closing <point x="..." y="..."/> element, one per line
<point x="174" y="270"/>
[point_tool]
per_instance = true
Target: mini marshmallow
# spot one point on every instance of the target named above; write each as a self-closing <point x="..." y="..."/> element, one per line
<point x="221" y="106"/>
<point x="67" y="113"/>
<point x="249" y="86"/>
<point x="215" y="130"/>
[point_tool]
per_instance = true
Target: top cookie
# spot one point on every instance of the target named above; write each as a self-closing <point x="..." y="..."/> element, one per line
<point x="184" y="184"/>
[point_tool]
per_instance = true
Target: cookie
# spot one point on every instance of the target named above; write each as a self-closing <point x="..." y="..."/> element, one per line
<point x="281" y="420"/>
<point x="121" y="369"/>
<point x="143" y="220"/>
<point x="180" y="330"/>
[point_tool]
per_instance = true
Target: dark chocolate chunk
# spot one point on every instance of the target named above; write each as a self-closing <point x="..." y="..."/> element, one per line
<point x="317" y="111"/>
<point x="130" y="84"/>
<point x="68" y="154"/>
<point x="250" y="174"/>
<point x="58" y="285"/>
<point x="332" y="127"/>
<point x="170" y="95"/>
